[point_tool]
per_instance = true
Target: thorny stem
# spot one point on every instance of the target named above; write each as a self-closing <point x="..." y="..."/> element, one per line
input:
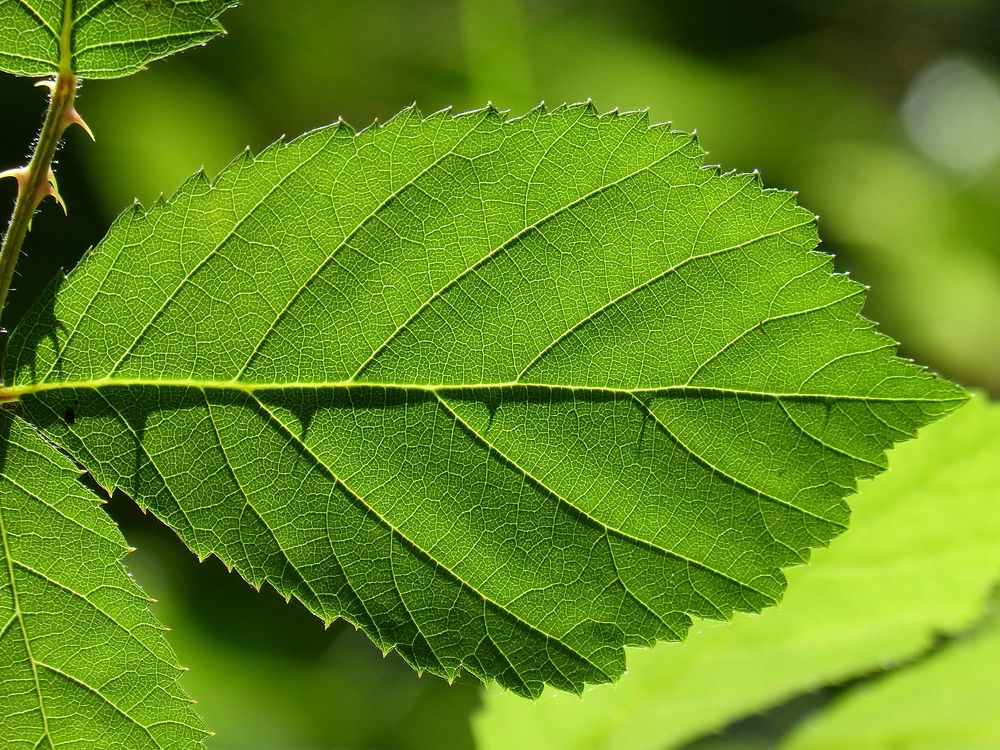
<point x="37" y="181"/>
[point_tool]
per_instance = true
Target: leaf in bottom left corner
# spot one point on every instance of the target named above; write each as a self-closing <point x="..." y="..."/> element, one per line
<point x="83" y="661"/>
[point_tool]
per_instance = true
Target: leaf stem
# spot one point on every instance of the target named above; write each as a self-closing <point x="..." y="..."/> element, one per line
<point x="37" y="181"/>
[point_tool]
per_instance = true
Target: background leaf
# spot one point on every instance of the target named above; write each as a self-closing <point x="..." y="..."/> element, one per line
<point x="83" y="663"/>
<point x="918" y="563"/>
<point x="507" y="394"/>
<point x="947" y="700"/>
<point x="103" y="38"/>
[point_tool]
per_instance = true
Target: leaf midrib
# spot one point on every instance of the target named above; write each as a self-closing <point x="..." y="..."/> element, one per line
<point x="16" y="392"/>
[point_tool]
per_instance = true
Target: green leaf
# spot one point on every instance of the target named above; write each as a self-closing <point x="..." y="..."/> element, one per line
<point x="948" y="700"/>
<point x="920" y="561"/>
<point x="507" y="394"/>
<point x="101" y="38"/>
<point x="83" y="662"/>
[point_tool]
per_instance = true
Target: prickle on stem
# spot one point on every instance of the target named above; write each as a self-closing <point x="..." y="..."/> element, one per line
<point x="70" y="116"/>
<point x="48" y="188"/>
<point x="20" y="174"/>
<point x="53" y="190"/>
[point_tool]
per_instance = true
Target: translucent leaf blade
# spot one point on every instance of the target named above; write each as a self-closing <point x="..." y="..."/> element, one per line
<point x="101" y="38"/>
<point x="83" y="663"/>
<point x="508" y="394"/>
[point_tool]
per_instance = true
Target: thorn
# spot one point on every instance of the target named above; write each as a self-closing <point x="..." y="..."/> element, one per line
<point x="50" y="85"/>
<point x="72" y="117"/>
<point x="20" y="174"/>
<point x="54" y="192"/>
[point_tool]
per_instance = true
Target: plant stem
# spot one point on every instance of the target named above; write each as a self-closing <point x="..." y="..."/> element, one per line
<point x="36" y="181"/>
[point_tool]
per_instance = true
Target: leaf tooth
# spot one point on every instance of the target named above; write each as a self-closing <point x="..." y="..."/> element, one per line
<point x="534" y="113"/>
<point x="494" y="112"/>
<point x="409" y="116"/>
<point x="243" y="158"/>
<point x="477" y="112"/>
<point x="642" y="115"/>
<point x="343" y="127"/>
<point x="631" y="114"/>
<point x="444" y="112"/>
<point x="373" y="127"/>
<point x="276" y="145"/>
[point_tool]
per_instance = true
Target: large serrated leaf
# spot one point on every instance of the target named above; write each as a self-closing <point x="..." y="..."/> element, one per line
<point x="101" y="38"/>
<point x="508" y="394"/>
<point x="83" y="663"/>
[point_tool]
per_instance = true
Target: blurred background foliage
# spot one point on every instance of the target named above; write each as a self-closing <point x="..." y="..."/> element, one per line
<point x="884" y="114"/>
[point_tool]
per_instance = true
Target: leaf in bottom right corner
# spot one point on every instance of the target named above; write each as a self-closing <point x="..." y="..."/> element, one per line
<point x="948" y="700"/>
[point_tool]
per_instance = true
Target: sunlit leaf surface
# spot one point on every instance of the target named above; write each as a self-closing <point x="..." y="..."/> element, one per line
<point x="83" y="663"/>
<point x="507" y="394"/>
<point x="101" y="38"/>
